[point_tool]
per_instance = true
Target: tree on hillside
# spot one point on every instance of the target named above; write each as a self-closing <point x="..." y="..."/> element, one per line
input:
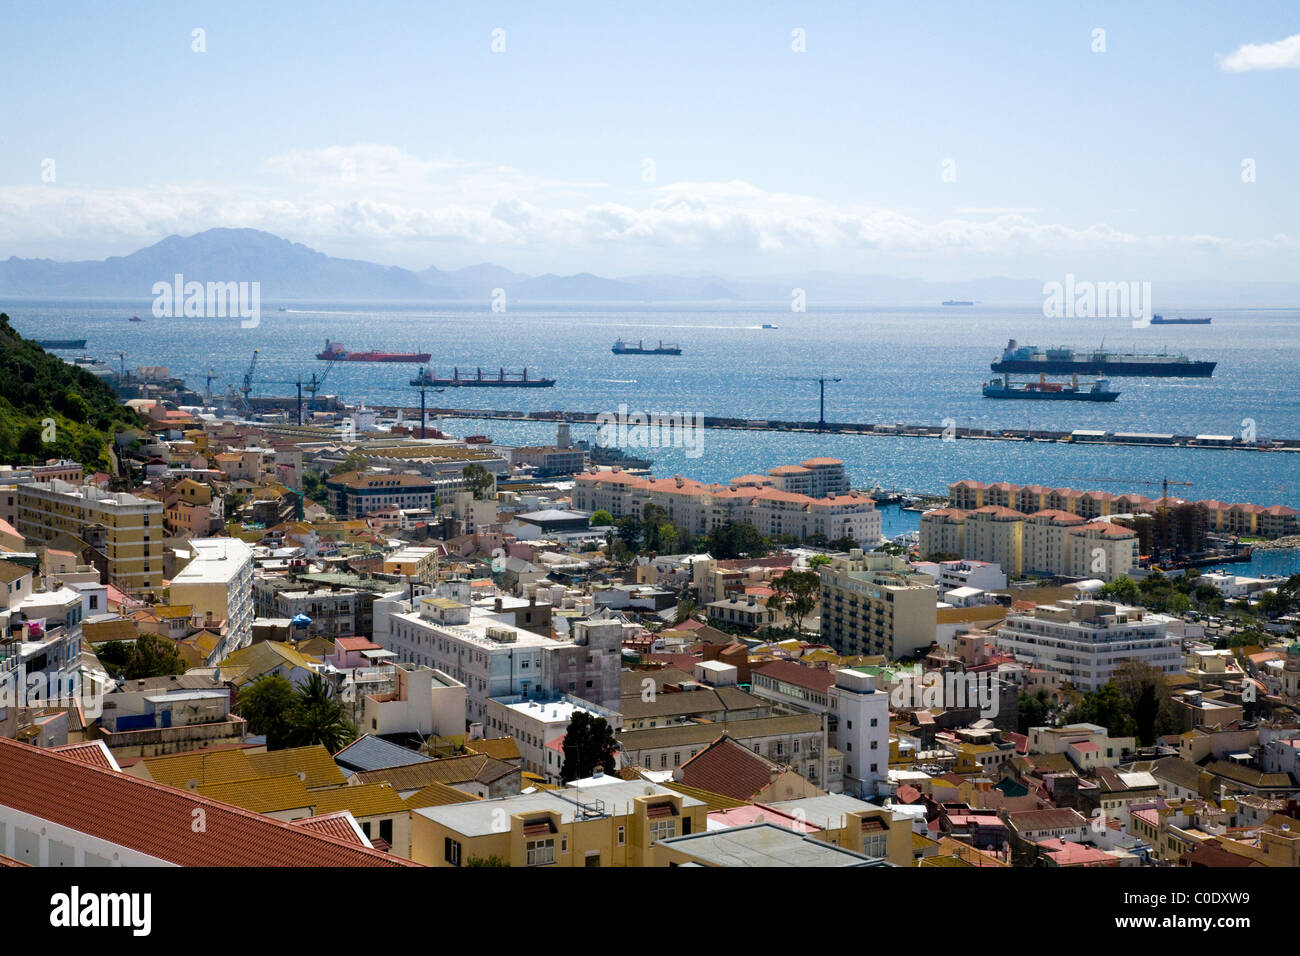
<point x="267" y="704"/>
<point x="479" y="479"/>
<point x="1123" y="589"/>
<point x="600" y="518"/>
<point x="588" y="743"/>
<point x="796" y="595"/>
<point x="1032" y="711"/>
<point x="1149" y="700"/>
<point x="149" y="656"/>
<point x="318" y="717"/>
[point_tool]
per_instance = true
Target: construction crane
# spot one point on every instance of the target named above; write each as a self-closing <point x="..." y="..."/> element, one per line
<point x="1164" y="483"/>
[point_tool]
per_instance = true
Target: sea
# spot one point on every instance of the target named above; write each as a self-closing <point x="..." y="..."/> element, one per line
<point x="880" y="365"/>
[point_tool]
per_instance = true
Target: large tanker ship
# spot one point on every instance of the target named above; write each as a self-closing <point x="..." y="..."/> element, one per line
<point x="335" y="352"/>
<point x="1021" y="359"/>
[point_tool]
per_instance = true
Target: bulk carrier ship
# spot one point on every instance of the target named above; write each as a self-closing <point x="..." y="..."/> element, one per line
<point x="1030" y="359"/>
<point x="502" y="380"/>
<point x="626" y="348"/>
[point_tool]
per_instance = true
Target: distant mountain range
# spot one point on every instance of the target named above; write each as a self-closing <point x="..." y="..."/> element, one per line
<point x="290" y="271"/>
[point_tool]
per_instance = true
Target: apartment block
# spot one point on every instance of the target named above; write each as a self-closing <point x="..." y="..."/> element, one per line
<point x="493" y="657"/>
<point x="1085" y="642"/>
<point x="873" y="603"/>
<point x="128" y="529"/>
<point x="218" y="582"/>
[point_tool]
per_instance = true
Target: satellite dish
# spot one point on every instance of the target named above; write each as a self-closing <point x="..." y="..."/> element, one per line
<point x="192" y="784"/>
<point x="302" y="775"/>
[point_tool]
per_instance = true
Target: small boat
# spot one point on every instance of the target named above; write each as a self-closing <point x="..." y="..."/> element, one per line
<point x="135" y="318"/>
<point x="477" y="440"/>
<point x="768" y="326"/>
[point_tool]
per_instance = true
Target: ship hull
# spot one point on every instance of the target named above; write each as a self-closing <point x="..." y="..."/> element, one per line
<point x="646" y="351"/>
<point x="483" y="383"/>
<point x="1052" y="396"/>
<point x="1109" y="369"/>
<point x="1181" y="321"/>
<point x="61" y="343"/>
<point x="415" y="358"/>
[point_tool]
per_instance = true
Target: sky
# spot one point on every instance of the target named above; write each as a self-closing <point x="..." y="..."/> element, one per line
<point x="929" y="140"/>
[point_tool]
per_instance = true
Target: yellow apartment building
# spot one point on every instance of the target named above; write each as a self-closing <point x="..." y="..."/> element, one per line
<point x="128" y="528"/>
<point x="607" y="824"/>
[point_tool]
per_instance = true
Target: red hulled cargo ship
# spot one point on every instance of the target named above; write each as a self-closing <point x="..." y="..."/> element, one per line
<point x="335" y="352"/>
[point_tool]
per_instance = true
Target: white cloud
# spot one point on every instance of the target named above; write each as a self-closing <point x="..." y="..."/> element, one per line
<point x="1282" y="55"/>
<point x="372" y="197"/>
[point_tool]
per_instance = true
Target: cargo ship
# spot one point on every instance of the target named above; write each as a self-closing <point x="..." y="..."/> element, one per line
<point x="957" y="302"/>
<point x="1161" y="320"/>
<point x="1044" y="390"/>
<point x="61" y="343"/>
<point x="335" y="352"/>
<point x="1065" y="361"/>
<point x="626" y="348"/>
<point x="502" y="380"/>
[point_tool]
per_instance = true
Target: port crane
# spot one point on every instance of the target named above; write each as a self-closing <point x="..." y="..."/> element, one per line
<point x="247" y="385"/>
<point x="821" y="413"/>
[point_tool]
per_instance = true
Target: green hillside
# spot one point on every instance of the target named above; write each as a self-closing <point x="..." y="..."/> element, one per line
<point x="36" y="387"/>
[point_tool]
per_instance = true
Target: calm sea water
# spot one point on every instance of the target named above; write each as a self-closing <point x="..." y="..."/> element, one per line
<point x="894" y="365"/>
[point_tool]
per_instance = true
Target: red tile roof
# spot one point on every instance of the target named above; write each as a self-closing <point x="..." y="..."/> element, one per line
<point x="158" y="821"/>
<point x="813" y="678"/>
<point x="336" y="825"/>
<point x="728" y="768"/>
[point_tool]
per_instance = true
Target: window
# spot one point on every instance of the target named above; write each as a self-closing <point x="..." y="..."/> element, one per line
<point x="875" y="845"/>
<point x="540" y="852"/>
<point x="386" y="831"/>
<point x="622" y="835"/>
<point x="564" y="843"/>
<point x="662" y="830"/>
<point x="451" y="851"/>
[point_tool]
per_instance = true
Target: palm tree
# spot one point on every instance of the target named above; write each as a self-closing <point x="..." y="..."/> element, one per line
<point x="318" y="718"/>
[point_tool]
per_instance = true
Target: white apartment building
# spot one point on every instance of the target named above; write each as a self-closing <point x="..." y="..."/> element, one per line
<point x="492" y="657"/>
<point x="1085" y="642"/>
<point x="862" y="731"/>
<point x="219" y="581"/>
<point x="127" y="528"/>
<point x="698" y="508"/>
<point x="539" y="725"/>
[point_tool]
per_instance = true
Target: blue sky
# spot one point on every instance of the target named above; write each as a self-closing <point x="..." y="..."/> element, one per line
<point x="393" y="132"/>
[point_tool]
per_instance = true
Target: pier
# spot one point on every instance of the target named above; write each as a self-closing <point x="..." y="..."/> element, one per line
<point x="877" y="430"/>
